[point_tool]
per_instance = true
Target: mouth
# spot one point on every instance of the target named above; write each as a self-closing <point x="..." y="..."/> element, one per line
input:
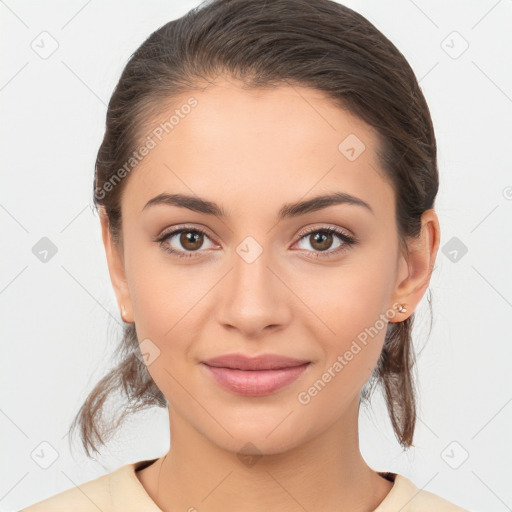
<point x="255" y="382"/>
<point x="261" y="362"/>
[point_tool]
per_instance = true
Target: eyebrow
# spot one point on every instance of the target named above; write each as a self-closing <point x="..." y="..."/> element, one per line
<point x="289" y="210"/>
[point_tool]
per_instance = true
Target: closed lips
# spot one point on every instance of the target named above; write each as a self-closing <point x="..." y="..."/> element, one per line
<point x="263" y="362"/>
<point x="254" y="369"/>
<point x="256" y="376"/>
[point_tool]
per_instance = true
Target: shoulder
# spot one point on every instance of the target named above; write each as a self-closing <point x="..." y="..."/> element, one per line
<point x="119" y="490"/>
<point x="407" y="497"/>
<point x="88" y="496"/>
<point x="92" y="495"/>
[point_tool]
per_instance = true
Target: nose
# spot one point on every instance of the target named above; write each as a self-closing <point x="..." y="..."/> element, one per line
<point x="253" y="298"/>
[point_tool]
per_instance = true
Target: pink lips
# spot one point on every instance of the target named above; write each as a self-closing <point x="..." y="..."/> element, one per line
<point x="254" y="376"/>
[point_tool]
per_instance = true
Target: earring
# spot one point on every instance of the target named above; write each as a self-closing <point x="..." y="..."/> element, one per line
<point x="401" y="308"/>
<point x="123" y="312"/>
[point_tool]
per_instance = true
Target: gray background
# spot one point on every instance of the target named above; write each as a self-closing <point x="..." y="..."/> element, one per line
<point x="59" y="317"/>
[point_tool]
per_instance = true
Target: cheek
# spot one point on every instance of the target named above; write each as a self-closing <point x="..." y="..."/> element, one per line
<point x="163" y="294"/>
<point x="348" y="315"/>
<point x="166" y="300"/>
<point x="350" y="356"/>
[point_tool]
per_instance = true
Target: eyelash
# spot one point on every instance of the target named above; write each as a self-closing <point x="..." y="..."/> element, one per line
<point x="347" y="241"/>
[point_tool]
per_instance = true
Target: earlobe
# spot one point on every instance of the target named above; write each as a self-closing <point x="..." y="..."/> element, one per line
<point x="116" y="268"/>
<point x="124" y="313"/>
<point x="420" y="261"/>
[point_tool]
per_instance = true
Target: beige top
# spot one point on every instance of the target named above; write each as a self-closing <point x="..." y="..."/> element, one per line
<point x="121" y="491"/>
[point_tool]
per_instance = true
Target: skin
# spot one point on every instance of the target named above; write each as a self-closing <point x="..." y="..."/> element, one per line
<point x="251" y="151"/>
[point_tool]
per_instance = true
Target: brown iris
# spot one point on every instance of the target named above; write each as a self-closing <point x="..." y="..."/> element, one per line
<point x="191" y="240"/>
<point x="324" y="240"/>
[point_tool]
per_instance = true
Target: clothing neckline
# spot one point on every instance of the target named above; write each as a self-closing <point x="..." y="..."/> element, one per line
<point x="400" y="484"/>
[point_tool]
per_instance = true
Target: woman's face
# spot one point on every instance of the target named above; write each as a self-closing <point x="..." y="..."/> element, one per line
<point x="264" y="278"/>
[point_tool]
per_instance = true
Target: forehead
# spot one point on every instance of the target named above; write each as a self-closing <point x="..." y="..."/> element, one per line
<point x="257" y="147"/>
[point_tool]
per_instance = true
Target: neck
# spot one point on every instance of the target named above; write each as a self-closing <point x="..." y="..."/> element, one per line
<point x="325" y="473"/>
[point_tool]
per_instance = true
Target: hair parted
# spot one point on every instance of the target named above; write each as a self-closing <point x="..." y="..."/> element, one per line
<point x="319" y="44"/>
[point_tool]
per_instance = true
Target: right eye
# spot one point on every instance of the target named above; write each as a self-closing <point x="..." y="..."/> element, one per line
<point x="190" y="239"/>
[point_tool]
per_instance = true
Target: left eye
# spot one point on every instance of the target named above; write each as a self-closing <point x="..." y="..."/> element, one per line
<point x="321" y="239"/>
<point x="192" y="240"/>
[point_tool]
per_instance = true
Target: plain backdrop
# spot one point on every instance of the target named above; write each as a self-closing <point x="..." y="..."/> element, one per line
<point x="59" y="318"/>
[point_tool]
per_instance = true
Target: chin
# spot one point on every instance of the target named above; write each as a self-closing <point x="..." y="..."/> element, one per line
<point x="268" y="434"/>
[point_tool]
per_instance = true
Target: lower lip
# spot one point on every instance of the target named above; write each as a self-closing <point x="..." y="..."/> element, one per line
<point x="255" y="382"/>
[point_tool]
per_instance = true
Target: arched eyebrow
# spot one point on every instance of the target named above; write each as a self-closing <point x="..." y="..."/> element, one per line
<point x="289" y="210"/>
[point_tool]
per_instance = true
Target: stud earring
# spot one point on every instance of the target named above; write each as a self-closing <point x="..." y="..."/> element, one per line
<point x="401" y="308"/>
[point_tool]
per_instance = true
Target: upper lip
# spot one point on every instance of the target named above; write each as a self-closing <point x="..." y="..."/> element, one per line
<point x="261" y="362"/>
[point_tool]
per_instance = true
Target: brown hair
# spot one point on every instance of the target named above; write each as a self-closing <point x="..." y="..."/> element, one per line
<point x="311" y="43"/>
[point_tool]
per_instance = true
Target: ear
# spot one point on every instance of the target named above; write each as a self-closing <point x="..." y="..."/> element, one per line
<point x="114" y="253"/>
<point x="415" y="268"/>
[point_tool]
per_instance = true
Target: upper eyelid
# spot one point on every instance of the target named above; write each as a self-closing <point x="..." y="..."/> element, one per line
<point x="176" y="229"/>
<point x="303" y="232"/>
<point x="308" y="231"/>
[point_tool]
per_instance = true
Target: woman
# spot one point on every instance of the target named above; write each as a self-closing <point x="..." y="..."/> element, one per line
<point x="265" y="189"/>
